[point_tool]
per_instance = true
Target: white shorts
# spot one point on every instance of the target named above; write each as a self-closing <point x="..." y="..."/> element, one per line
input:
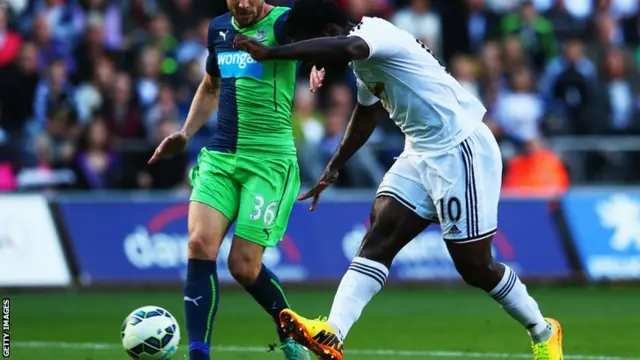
<point x="459" y="188"/>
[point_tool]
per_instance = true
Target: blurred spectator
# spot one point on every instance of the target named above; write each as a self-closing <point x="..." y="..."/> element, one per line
<point x="194" y="46"/>
<point x="308" y="132"/>
<point x="608" y="35"/>
<point x="50" y="48"/>
<point x="55" y="112"/>
<point x="564" y="23"/>
<point x="518" y="112"/>
<point x="341" y="97"/>
<point x="63" y="17"/>
<point x="334" y="126"/>
<point x="536" y="33"/>
<point x="148" y="83"/>
<point x="48" y="171"/>
<point x="464" y="70"/>
<point x="135" y="16"/>
<point x="9" y="40"/>
<point x="96" y="164"/>
<point x="615" y="113"/>
<point x="482" y="23"/>
<point x="567" y="87"/>
<point x="161" y="37"/>
<point x="121" y="110"/>
<point x="44" y="152"/>
<point x="307" y="122"/>
<point x="62" y="131"/>
<point x="631" y="30"/>
<point x="514" y="53"/>
<point x="183" y="14"/>
<point x="16" y="7"/>
<point x="90" y="50"/>
<point x="164" y="108"/>
<point x="89" y="96"/>
<point x="421" y="22"/>
<point x="615" y="110"/>
<point x="108" y="15"/>
<point x="616" y="8"/>
<point x="54" y="93"/>
<point x="492" y="77"/>
<point x="17" y="93"/>
<point x="192" y="77"/>
<point x="606" y="31"/>
<point x="538" y="171"/>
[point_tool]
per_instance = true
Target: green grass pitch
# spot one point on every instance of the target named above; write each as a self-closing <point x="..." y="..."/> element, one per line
<point x="599" y="324"/>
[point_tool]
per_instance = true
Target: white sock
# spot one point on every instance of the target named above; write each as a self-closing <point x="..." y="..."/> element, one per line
<point x="363" y="280"/>
<point x="515" y="300"/>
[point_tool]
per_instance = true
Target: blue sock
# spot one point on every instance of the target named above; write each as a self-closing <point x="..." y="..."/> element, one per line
<point x="266" y="290"/>
<point x="201" y="300"/>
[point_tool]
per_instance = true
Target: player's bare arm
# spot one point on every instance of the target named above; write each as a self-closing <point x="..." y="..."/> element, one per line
<point x="363" y="122"/>
<point x="204" y="103"/>
<point x="326" y="50"/>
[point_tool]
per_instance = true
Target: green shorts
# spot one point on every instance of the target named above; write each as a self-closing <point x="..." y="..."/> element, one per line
<point x="258" y="192"/>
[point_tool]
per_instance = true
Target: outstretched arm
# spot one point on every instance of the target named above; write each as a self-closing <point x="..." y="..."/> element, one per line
<point x="359" y="130"/>
<point x="363" y="121"/>
<point x="337" y="49"/>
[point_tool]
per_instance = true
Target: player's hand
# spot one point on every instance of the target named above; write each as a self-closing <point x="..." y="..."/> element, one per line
<point x="171" y="145"/>
<point x="315" y="79"/>
<point x="327" y="178"/>
<point x="244" y="43"/>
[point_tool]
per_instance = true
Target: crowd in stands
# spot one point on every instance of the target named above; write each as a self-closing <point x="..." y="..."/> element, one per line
<point x="88" y="88"/>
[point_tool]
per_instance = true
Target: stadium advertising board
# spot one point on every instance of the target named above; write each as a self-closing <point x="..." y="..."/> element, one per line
<point x="605" y="226"/>
<point x="30" y="250"/>
<point x="122" y="241"/>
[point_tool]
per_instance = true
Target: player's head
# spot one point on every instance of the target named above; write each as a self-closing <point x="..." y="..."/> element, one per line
<point x="245" y="12"/>
<point x="316" y="18"/>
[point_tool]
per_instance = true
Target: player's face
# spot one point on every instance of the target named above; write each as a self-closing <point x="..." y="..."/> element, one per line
<point x="245" y="12"/>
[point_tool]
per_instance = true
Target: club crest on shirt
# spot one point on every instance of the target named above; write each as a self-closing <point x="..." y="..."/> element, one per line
<point x="261" y="34"/>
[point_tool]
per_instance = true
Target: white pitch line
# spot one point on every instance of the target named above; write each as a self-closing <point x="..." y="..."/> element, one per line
<point x="369" y="352"/>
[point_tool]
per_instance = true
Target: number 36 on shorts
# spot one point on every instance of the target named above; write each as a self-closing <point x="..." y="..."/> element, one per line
<point x="260" y="211"/>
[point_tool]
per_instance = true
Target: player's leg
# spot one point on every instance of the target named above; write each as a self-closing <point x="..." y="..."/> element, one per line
<point x="214" y="202"/>
<point x="399" y="213"/>
<point x="393" y="225"/>
<point x="268" y="193"/>
<point x="480" y="269"/>
<point x="466" y="184"/>
<point x="245" y="264"/>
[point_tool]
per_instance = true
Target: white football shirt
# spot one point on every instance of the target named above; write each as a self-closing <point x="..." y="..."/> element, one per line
<point x="430" y="107"/>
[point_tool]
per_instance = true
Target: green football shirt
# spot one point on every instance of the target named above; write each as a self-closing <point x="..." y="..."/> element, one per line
<point x="256" y="98"/>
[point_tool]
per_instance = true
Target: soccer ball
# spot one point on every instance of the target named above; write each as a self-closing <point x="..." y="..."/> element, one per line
<point x="150" y="333"/>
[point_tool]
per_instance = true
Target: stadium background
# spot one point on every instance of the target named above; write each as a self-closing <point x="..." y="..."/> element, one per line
<point x="88" y="232"/>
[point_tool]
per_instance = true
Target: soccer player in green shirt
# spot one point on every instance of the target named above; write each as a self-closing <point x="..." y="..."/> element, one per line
<point x="248" y="173"/>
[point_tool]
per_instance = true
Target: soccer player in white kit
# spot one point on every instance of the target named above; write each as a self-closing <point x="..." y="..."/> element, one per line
<point x="449" y="173"/>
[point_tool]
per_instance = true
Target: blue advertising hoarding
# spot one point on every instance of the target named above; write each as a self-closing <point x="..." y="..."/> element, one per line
<point x="146" y="242"/>
<point x="605" y="226"/>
